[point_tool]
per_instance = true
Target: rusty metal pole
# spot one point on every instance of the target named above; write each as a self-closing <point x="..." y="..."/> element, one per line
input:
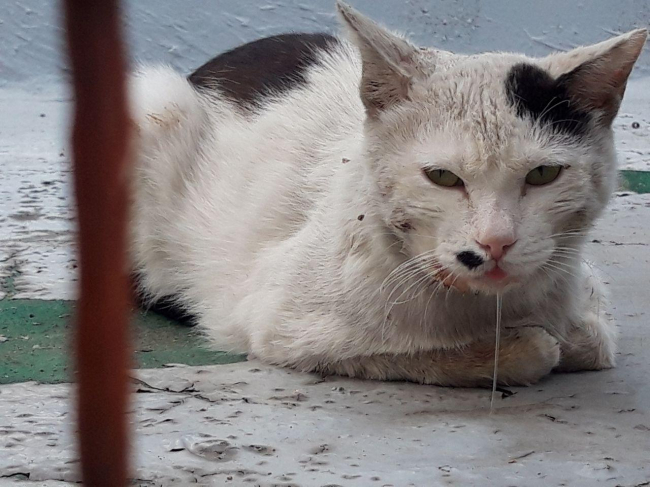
<point x="100" y="154"/>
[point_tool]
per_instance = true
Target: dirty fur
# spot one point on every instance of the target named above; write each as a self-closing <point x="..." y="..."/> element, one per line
<point x="251" y="218"/>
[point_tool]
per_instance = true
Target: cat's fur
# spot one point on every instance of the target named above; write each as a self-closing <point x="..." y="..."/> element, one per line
<point x="279" y="196"/>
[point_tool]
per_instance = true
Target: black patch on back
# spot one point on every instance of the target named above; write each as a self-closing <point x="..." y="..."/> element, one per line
<point x="537" y="95"/>
<point x="262" y="68"/>
<point x="167" y="306"/>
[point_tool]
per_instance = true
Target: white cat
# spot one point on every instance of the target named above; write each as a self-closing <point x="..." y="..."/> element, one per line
<point x="355" y="206"/>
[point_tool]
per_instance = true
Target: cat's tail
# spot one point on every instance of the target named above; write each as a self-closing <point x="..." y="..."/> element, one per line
<point x="163" y="100"/>
<point x="169" y="117"/>
<point x="170" y="120"/>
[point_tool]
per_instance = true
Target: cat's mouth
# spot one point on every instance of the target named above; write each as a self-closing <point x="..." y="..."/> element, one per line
<point x="493" y="281"/>
<point x="496" y="274"/>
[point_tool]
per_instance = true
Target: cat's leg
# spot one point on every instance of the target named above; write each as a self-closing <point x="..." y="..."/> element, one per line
<point x="591" y="338"/>
<point x="525" y="356"/>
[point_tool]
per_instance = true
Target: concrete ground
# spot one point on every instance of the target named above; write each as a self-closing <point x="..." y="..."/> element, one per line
<point x="249" y="424"/>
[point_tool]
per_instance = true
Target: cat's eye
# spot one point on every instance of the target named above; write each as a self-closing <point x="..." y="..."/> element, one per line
<point x="442" y="177"/>
<point x="542" y="175"/>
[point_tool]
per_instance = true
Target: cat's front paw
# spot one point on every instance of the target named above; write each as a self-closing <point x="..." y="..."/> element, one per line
<point x="527" y="355"/>
<point x="591" y="345"/>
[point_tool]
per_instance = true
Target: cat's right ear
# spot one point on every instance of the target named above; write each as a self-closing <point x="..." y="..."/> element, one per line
<point x="390" y="63"/>
<point x="595" y="76"/>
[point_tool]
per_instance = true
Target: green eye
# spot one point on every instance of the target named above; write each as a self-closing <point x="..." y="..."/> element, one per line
<point x="543" y="175"/>
<point x="445" y="178"/>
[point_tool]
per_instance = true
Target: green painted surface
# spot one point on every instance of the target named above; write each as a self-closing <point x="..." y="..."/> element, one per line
<point x="35" y="339"/>
<point x="636" y="181"/>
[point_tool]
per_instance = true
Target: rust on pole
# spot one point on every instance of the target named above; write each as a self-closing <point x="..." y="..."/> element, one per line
<point x="101" y="155"/>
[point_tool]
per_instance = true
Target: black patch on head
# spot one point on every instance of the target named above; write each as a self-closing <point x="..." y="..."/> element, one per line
<point x="537" y="95"/>
<point x="262" y="68"/>
<point x="469" y="259"/>
<point x="167" y="306"/>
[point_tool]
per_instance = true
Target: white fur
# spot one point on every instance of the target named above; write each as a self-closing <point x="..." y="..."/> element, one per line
<point x="253" y="219"/>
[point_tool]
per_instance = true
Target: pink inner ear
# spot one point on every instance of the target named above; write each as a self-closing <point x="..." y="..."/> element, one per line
<point x="600" y="87"/>
<point x="607" y="91"/>
<point x="619" y="77"/>
<point x="599" y="81"/>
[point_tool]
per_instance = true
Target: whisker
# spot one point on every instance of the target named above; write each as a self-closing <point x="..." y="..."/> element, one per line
<point x="423" y="321"/>
<point x="403" y="277"/>
<point x="571" y="249"/>
<point x="554" y="275"/>
<point x="548" y="107"/>
<point x="546" y="272"/>
<point x="570" y="233"/>
<point x="412" y="261"/>
<point x="398" y="273"/>
<point x="415" y="284"/>
<point x="450" y="286"/>
<point x="390" y="303"/>
<point x="563" y="264"/>
<point x="560" y="269"/>
<point x="567" y="253"/>
<point x="419" y="282"/>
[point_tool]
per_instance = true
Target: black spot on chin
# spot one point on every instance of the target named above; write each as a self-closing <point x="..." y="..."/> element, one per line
<point x="469" y="259"/>
<point x="535" y="94"/>
<point x="260" y="69"/>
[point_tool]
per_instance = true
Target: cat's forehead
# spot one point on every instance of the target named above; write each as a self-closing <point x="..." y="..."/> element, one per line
<point x="464" y="152"/>
<point x="475" y="88"/>
<point x="485" y="109"/>
<point x="466" y="107"/>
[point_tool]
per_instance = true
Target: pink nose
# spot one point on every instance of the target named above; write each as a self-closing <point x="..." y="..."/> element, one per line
<point x="497" y="245"/>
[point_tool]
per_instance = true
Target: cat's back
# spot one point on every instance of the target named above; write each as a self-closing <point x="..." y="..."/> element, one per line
<point x="236" y="156"/>
<point x="294" y="99"/>
<point x="265" y="69"/>
<point x="295" y="102"/>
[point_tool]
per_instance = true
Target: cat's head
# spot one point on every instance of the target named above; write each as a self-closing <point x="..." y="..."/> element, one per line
<point x="491" y="167"/>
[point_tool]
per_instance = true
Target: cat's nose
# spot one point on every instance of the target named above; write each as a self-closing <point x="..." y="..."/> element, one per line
<point x="497" y="245"/>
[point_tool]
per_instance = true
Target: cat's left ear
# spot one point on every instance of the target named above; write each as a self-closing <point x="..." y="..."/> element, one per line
<point x="390" y="63"/>
<point x="595" y="76"/>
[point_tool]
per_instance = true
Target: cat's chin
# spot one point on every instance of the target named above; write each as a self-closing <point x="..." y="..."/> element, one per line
<point x="490" y="286"/>
<point x="483" y="285"/>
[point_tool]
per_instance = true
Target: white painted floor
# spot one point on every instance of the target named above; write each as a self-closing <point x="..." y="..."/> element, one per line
<point x="249" y="424"/>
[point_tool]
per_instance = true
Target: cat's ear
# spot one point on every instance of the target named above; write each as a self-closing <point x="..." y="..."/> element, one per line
<point x="389" y="62"/>
<point x="595" y="76"/>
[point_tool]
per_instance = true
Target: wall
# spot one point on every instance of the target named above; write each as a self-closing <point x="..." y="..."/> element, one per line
<point x="187" y="33"/>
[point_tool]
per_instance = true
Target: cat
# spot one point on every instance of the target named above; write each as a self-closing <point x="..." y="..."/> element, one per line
<point x="353" y="205"/>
